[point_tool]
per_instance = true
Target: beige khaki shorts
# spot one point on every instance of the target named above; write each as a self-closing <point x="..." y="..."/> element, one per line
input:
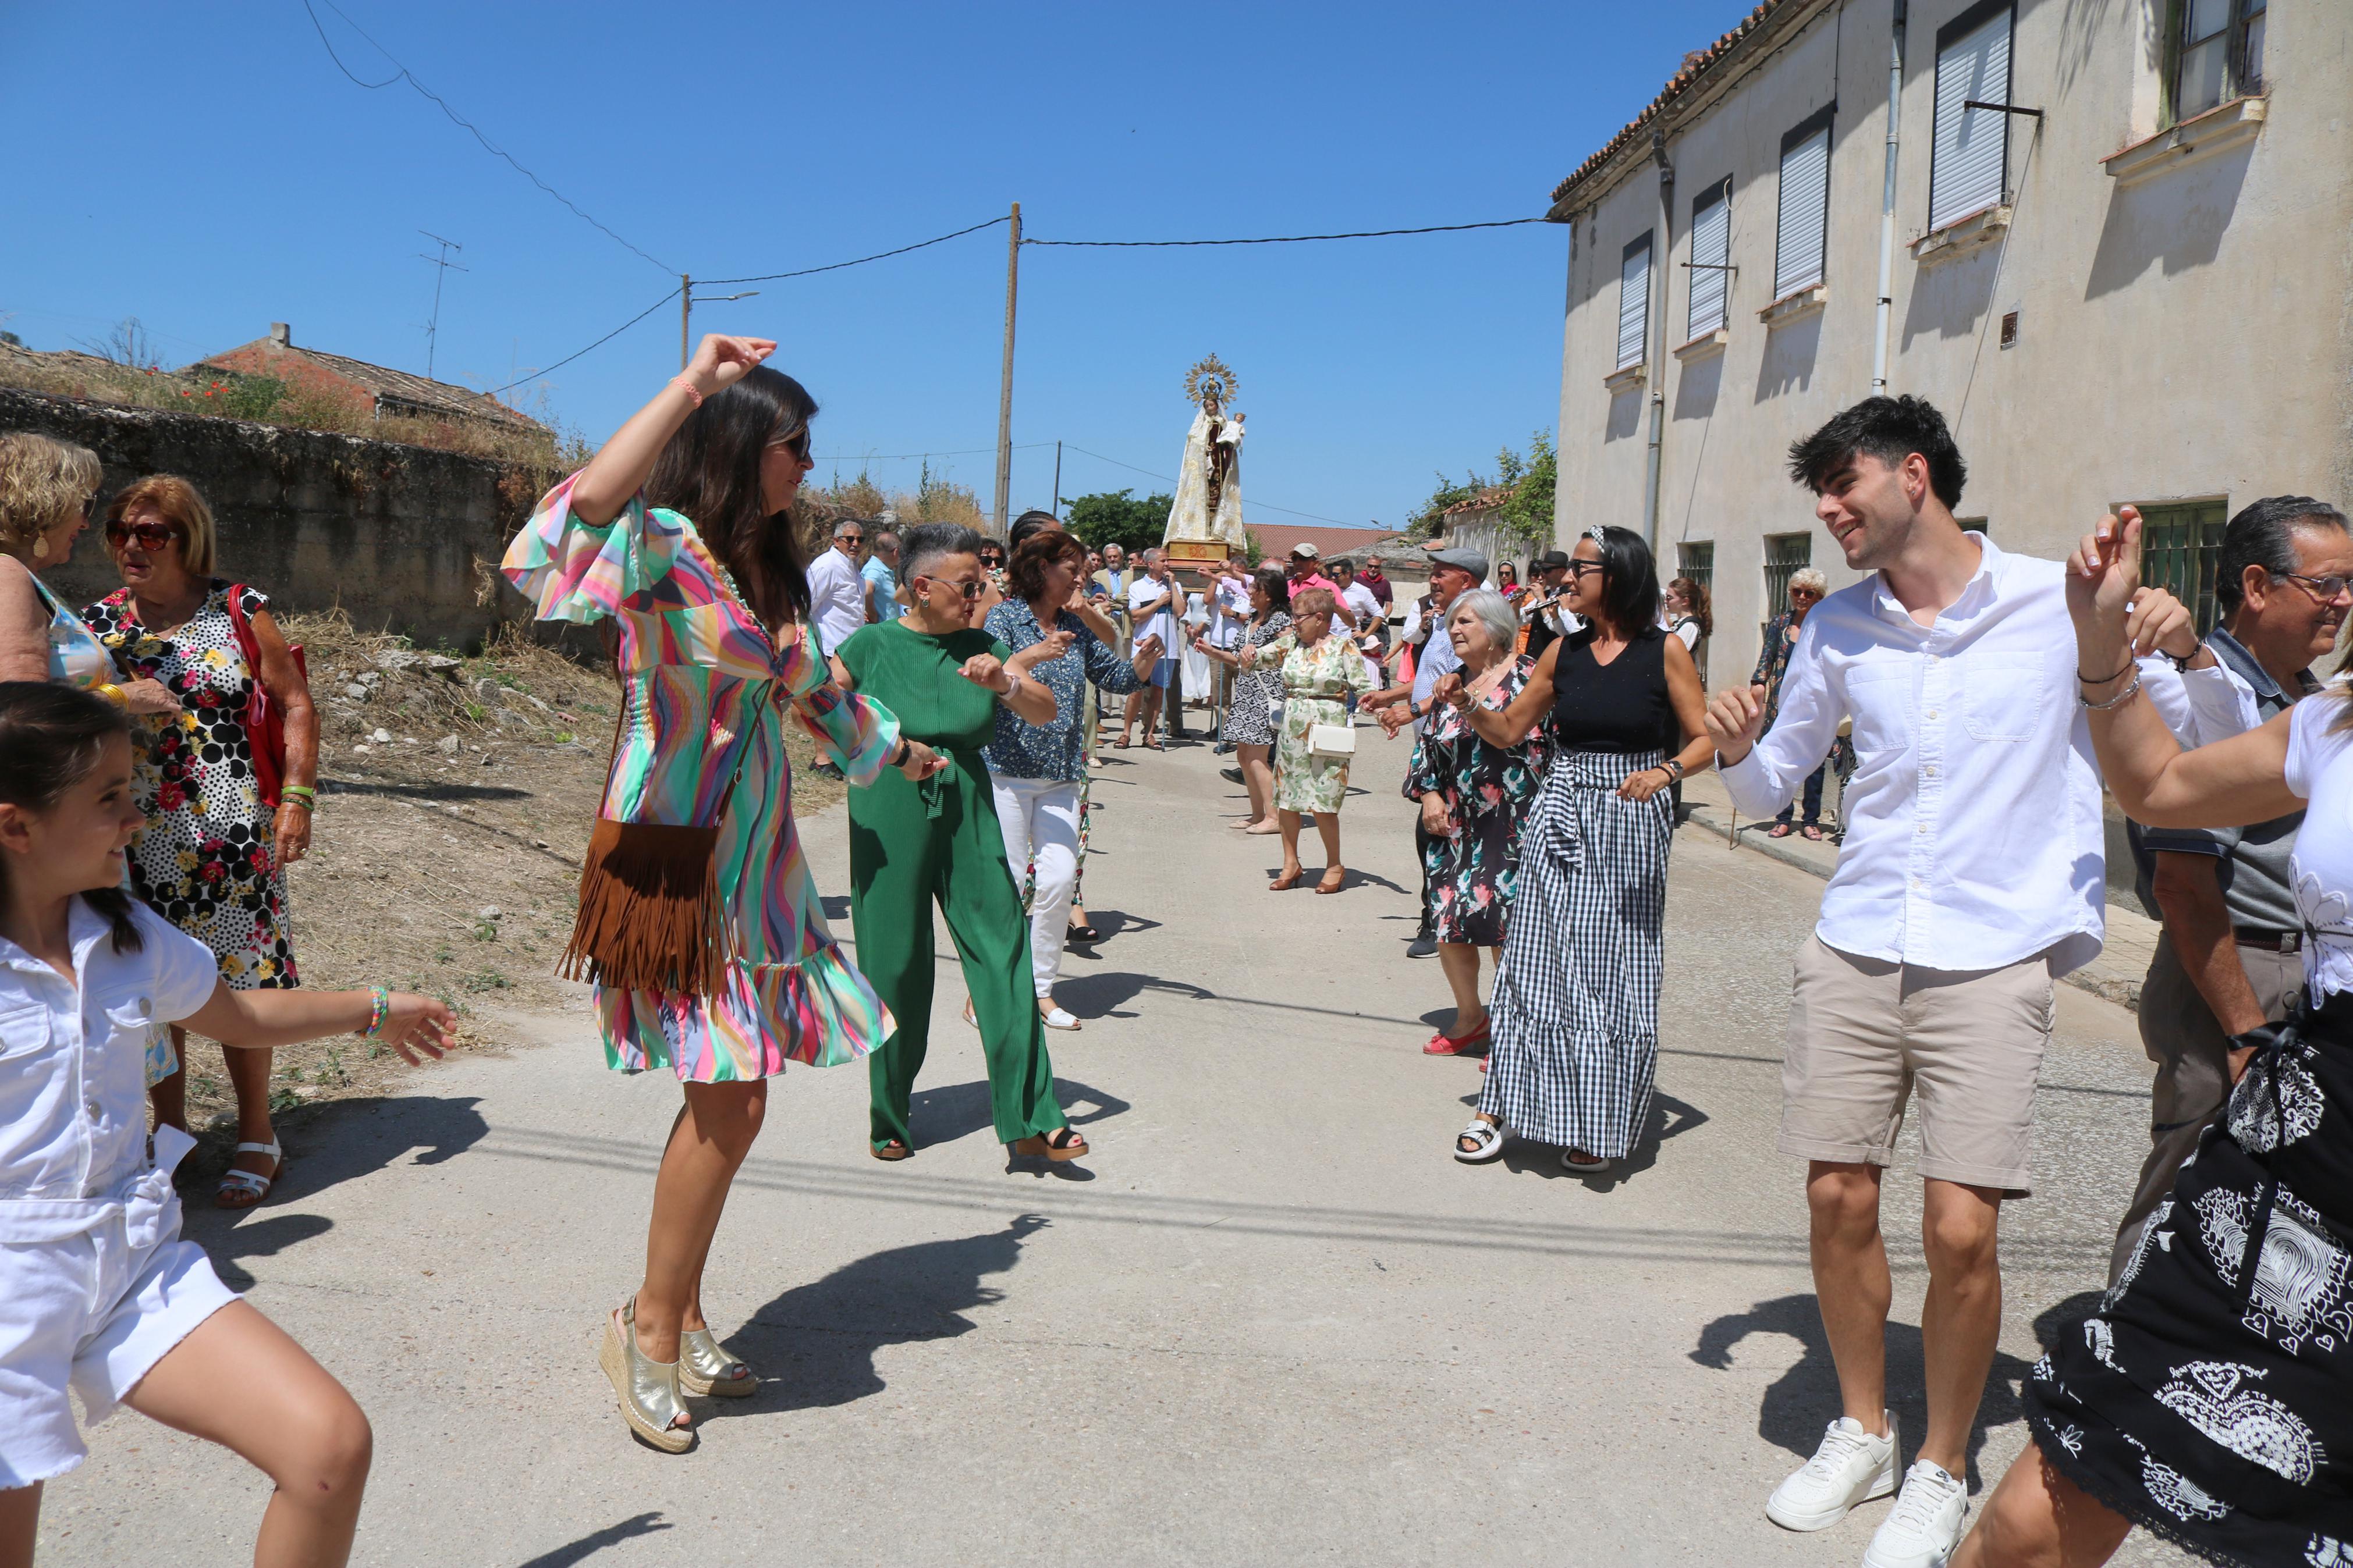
<point x="1866" y="1033"/>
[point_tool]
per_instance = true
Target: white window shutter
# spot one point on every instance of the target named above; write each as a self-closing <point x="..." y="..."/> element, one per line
<point x="1711" y="247"/>
<point x="1633" y="302"/>
<point x="1805" y="214"/>
<point x="1971" y="146"/>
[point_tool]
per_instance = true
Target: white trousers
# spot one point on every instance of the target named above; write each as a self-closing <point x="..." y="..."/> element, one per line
<point x="1039" y="819"/>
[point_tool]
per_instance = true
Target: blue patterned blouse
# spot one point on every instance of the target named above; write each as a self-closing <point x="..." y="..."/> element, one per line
<point x="1052" y="749"/>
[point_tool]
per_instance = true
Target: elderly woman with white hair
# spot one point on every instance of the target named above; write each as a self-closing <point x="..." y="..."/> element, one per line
<point x="1807" y="587"/>
<point x="1474" y="796"/>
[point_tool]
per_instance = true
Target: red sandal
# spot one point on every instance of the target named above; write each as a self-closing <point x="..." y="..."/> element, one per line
<point x="1442" y="1044"/>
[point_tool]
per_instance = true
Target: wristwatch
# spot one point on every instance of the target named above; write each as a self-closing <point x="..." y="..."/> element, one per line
<point x="1674" y="769"/>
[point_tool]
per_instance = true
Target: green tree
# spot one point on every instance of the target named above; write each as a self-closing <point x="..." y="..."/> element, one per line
<point x="1527" y="515"/>
<point x="1116" y="517"/>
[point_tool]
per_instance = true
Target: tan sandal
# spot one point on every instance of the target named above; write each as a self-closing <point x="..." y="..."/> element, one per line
<point x="647" y="1388"/>
<point x="1061" y="1143"/>
<point x="705" y="1369"/>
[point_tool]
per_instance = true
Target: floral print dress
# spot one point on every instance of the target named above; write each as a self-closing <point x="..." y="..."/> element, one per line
<point x="1315" y="680"/>
<point x="1488" y="790"/>
<point x="205" y="859"/>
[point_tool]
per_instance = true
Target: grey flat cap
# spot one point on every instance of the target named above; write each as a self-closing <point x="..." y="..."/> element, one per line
<point x="1469" y="561"/>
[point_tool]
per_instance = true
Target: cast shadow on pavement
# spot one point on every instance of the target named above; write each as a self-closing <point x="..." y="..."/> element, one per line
<point x="1667" y="1118"/>
<point x="324" y="1146"/>
<point x="1805" y="1399"/>
<point x="596" y="1540"/>
<point x="1102" y="995"/>
<point x="955" y="1111"/>
<point x="817" y="1343"/>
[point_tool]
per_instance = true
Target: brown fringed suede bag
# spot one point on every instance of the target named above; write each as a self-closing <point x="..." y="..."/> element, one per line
<point x="649" y="917"/>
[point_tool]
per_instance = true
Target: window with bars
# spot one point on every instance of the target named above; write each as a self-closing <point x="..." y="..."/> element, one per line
<point x="1696" y="561"/>
<point x="2217" y="49"/>
<point x="1803" y="224"/>
<point x="1969" y="149"/>
<point x="1785" y="555"/>
<point x="1711" y="257"/>
<point x="1634" y="302"/>
<point x="2180" y="545"/>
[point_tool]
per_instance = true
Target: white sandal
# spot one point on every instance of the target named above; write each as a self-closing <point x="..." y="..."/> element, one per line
<point x="1059" y="1019"/>
<point x="1486" y="1135"/>
<point x="254" y="1181"/>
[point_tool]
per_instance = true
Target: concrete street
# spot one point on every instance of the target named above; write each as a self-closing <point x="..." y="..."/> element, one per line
<point x="1272" y="1320"/>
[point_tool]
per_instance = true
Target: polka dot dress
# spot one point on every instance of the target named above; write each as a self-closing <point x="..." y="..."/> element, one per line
<point x="204" y="860"/>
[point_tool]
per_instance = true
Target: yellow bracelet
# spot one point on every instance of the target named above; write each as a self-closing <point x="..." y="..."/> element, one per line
<point x="112" y="693"/>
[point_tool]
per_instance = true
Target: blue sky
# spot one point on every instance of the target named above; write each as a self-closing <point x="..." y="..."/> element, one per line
<point x="207" y="169"/>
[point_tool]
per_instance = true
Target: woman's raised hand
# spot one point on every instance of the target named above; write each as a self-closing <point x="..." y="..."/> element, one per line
<point x="1449" y="687"/>
<point x="1049" y="646"/>
<point x="2102" y="578"/>
<point x="723" y="361"/>
<point x="987" y="669"/>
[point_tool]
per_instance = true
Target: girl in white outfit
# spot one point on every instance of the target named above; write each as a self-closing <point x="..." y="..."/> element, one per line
<point x="97" y="1292"/>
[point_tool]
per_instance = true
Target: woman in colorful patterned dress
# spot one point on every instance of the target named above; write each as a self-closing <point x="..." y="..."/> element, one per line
<point x="212" y="858"/>
<point x="1474" y="796"/>
<point x="1257" y="696"/>
<point x="698" y="922"/>
<point x="1318" y="671"/>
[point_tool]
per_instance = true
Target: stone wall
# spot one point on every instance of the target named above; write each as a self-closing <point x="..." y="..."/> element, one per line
<point x="401" y="537"/>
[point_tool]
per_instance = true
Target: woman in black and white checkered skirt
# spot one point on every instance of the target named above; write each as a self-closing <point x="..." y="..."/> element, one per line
<point x="1574" y="1016"/>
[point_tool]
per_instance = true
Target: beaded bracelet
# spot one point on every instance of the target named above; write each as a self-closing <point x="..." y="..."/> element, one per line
<point x="380" y="1008"/>
<point x="687" y="387"/>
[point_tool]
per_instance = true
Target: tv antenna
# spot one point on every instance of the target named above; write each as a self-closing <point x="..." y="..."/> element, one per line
<point x="442" y="264"/>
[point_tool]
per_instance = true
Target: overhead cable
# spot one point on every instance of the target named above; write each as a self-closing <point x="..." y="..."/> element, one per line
<point x="910" y="456"/>
<point x="1285" y="239"/>
<point x="599" y="343"/>
<point x="838" y="266"/>
<point x="402" y="73"/>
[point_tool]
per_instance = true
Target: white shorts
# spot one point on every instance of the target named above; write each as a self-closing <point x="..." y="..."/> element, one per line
<point x="96" y="1312"/>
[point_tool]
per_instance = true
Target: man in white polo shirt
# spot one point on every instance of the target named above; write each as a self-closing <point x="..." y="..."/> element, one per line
<point x="1973" y="873"/>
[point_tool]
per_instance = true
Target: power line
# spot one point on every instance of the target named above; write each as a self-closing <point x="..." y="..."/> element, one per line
<point x="402" y="73"/>
<point x="1167" y="479"/>
<point x="1284" y="239"/>
<point x="599" y="343"/>
<point x="910" y="456"/>
<point x="878" y="256"/>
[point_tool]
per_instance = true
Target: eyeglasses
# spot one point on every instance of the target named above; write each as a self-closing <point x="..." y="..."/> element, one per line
<point x="2327" y="590"/>
<point x="150" y="535"/>
<point x="970" y="590"/>
<point x="1816" y="593"/>
<point x="849" y="539"/>
<point x="797" y="444"/>
<point x="1580" y="568"/>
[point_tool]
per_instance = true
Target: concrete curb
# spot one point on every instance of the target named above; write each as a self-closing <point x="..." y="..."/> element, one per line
<point x="2108" y="981"/>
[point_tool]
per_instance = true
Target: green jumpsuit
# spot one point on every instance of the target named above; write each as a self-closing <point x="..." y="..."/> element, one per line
<point x="912" y="843"/>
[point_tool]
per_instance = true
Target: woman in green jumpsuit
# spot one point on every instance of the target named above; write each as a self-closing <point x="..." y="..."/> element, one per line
<point x="911" y="844"/>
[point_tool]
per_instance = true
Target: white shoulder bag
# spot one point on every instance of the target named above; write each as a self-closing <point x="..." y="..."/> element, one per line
<point x="1333" y="742"/>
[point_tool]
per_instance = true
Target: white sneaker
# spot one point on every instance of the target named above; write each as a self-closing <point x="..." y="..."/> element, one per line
<point x="1851" y="1466"/>
<point x="1925" y="1524"/>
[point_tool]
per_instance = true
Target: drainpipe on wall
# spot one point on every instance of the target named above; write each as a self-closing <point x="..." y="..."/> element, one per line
<point x="1886" y="311"/>
<point x="1657" y="373"/>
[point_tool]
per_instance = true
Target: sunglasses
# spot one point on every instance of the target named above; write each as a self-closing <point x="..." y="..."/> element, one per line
<point x="150" y="535"/>
<point x="970" y="590"/>
<point x="1580" y="568"/>
<point x="849" y="539"/>
<point x="797" y="444"/>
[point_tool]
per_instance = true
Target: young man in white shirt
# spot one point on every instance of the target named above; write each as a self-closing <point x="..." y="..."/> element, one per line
<point x="1972" y="875"/>
<point x="1150" y="601"/>
<point x="1229" y="599"/>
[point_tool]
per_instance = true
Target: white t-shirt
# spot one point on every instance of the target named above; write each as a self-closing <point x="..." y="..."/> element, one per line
<point x="2321" y="866"/>
<point x="1364" y="607"/>
<point x="1228" y="609"/>
<point x="837" y="598"/>
<point x="1142" y="592"/>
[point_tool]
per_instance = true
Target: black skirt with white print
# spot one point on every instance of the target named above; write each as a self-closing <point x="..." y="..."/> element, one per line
<point x="2209" y="1398"/>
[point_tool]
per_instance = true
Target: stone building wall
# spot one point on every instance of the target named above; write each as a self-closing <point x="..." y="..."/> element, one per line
<point x="402" y="537"/>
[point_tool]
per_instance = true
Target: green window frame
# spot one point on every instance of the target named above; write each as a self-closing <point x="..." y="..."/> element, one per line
<point x="1786" y="554"/>
<point x="2180" y="546"/>
<point x="1695" y="559"/>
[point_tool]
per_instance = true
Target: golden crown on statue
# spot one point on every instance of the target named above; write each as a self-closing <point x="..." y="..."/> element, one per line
<point x="1210" y="377"/>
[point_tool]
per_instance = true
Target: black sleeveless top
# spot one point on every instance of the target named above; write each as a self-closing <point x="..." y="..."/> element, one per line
<point x="1619" y="707"/>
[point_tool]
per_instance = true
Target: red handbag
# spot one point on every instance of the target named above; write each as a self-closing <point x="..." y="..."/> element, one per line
<point x="265" y="722"/>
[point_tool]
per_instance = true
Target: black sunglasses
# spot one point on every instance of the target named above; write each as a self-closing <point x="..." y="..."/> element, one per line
<point x="150" y="535"/>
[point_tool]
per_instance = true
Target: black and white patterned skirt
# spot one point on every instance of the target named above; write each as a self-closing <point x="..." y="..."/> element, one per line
<point x="2210" y="1397"/>
<point x="1576" y="1009"/>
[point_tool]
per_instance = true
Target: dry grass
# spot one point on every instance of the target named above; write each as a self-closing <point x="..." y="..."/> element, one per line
<point x="449" y="872"/>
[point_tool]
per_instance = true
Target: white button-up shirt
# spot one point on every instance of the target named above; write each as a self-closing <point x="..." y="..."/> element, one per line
<point x="837" y="598"/>
<point x="1974" y="832"/>
<point x="73" y="1059"/>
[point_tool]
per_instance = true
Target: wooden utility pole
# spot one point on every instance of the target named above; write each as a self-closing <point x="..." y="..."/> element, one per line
<point x="685" y="315"/>
<point x="1004" y="385"/>
<point x="1058" y="481"/>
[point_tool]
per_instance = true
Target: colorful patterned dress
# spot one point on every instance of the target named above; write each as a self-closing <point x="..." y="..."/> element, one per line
<point x="1257" y="693"/>
<point x="1315" y="680"/>
<point x="701" y="740"/>
<point x="205" y="859"/>
<point x="1488" y="790"/>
